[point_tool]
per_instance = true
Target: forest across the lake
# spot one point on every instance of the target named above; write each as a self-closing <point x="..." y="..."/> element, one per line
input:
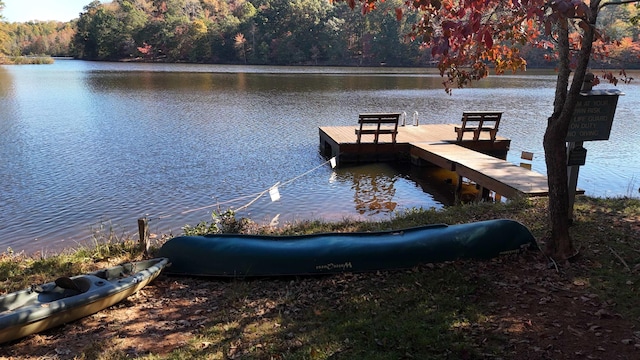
<point x="265" y="32"/>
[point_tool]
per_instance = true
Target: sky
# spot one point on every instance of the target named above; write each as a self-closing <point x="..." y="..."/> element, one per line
<point x="26" y="10"/>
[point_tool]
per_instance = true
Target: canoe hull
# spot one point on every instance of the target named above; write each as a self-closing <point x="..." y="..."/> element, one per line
<point x="29" y="311"/>
<point x="232" y="255"/>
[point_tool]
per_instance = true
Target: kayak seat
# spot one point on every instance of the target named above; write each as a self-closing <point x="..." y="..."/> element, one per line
<point x="102" y="274"/>
<point x="79" y="284"/>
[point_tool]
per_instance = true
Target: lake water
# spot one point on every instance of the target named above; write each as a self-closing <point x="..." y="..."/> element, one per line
<point x="86" y="146"/>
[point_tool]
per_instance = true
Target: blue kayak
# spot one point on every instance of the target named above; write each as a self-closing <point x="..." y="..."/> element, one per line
<point x="236" y="255"/>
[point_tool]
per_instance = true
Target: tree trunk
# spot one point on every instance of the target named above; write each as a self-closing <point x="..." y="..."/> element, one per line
<point x="559" y="245"/>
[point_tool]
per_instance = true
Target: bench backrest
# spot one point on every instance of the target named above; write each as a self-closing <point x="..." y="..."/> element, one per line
<point x="479" y="121"/>
<point x="481" y="116"/>
<point x="376" y="124"/>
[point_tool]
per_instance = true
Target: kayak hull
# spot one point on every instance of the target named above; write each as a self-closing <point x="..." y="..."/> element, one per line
<point x="49" y="305"/>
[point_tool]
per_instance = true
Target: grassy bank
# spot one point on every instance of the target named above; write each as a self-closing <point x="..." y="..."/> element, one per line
<point x="522" y="306"/>
<point x="26" y="60"/>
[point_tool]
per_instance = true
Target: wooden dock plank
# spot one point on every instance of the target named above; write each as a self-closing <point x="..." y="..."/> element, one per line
<point x="501" y="176"/>
<point x="427" y="151"/>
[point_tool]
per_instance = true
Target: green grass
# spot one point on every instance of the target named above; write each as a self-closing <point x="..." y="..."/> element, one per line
<point x="19" y="271"/>
<point x="33" y="60"/>
<point x="371" y="317"/>
<point x="611" y="249"/>
<point x="26" y="60"/>
<point x="523" y="210"/>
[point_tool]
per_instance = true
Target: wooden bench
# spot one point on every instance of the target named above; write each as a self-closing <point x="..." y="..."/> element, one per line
<point x="376" y="124"/>
<point x="478" y="122"/>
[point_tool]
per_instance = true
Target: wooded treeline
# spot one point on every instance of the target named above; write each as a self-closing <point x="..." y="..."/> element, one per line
<point x="282" y="32"/>
<point x="277" y="32"/>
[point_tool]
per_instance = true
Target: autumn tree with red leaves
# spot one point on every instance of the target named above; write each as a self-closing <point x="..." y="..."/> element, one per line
<point x="470" y="37"/>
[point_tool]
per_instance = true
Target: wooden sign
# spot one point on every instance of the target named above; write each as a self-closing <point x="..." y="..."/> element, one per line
<point x="593" y="115"/>
<point x="577" y="156"/>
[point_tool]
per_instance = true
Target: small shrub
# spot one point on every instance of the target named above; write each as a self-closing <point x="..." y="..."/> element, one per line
<point x="222" y="223"/>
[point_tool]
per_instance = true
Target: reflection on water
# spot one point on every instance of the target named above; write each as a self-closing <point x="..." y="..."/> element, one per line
<point x="376" y="186"/>
<point x="84" y="143"/>
<point x="5" y="83"/>
<point x="373" y="193"/>
<point x="384" y="189"/>
<point x="6" y="110"/>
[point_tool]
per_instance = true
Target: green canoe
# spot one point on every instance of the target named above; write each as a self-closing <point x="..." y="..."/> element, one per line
<point x="45" y="306"/>
<point x="230" y="255"/>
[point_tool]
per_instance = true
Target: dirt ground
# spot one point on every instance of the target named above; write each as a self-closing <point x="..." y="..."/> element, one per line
<point x="545" y="314"/>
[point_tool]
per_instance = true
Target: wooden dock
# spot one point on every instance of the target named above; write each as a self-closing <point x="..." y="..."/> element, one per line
<point x="481" y="162"/>
<point x="488" y="172"/>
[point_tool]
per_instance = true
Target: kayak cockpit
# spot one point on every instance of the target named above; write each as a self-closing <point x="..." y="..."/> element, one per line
<point x="61" y="288"/>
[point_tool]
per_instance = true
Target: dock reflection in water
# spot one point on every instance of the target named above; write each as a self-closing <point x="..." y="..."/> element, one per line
<point x="382" y="189"/>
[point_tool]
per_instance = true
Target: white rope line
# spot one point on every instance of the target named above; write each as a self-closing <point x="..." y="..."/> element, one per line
<point x="304" y="174"/>
<point x="254" y="196"/>
<point x="222" y="203"/>
<point x="258" y="197"/>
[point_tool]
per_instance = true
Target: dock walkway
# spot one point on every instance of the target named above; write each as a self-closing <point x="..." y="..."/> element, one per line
<point x="481" y="161"/>
<point x="488" y="172"/>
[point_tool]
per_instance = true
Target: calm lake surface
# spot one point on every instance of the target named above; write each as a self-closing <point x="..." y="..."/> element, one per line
<point x="88" y="146"/>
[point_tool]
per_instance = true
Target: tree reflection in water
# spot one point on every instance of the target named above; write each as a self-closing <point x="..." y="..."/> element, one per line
<point x="374" y="193"/>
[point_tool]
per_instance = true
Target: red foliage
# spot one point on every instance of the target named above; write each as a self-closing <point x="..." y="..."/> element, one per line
<point x="145" y="49"/>
<point x="470" y="37"/>
<point x="462" y="36"/>
<point x="398" y="14"/>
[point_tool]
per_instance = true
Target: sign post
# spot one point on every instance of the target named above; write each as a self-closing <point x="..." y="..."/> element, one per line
<point x="592" y="120"/>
